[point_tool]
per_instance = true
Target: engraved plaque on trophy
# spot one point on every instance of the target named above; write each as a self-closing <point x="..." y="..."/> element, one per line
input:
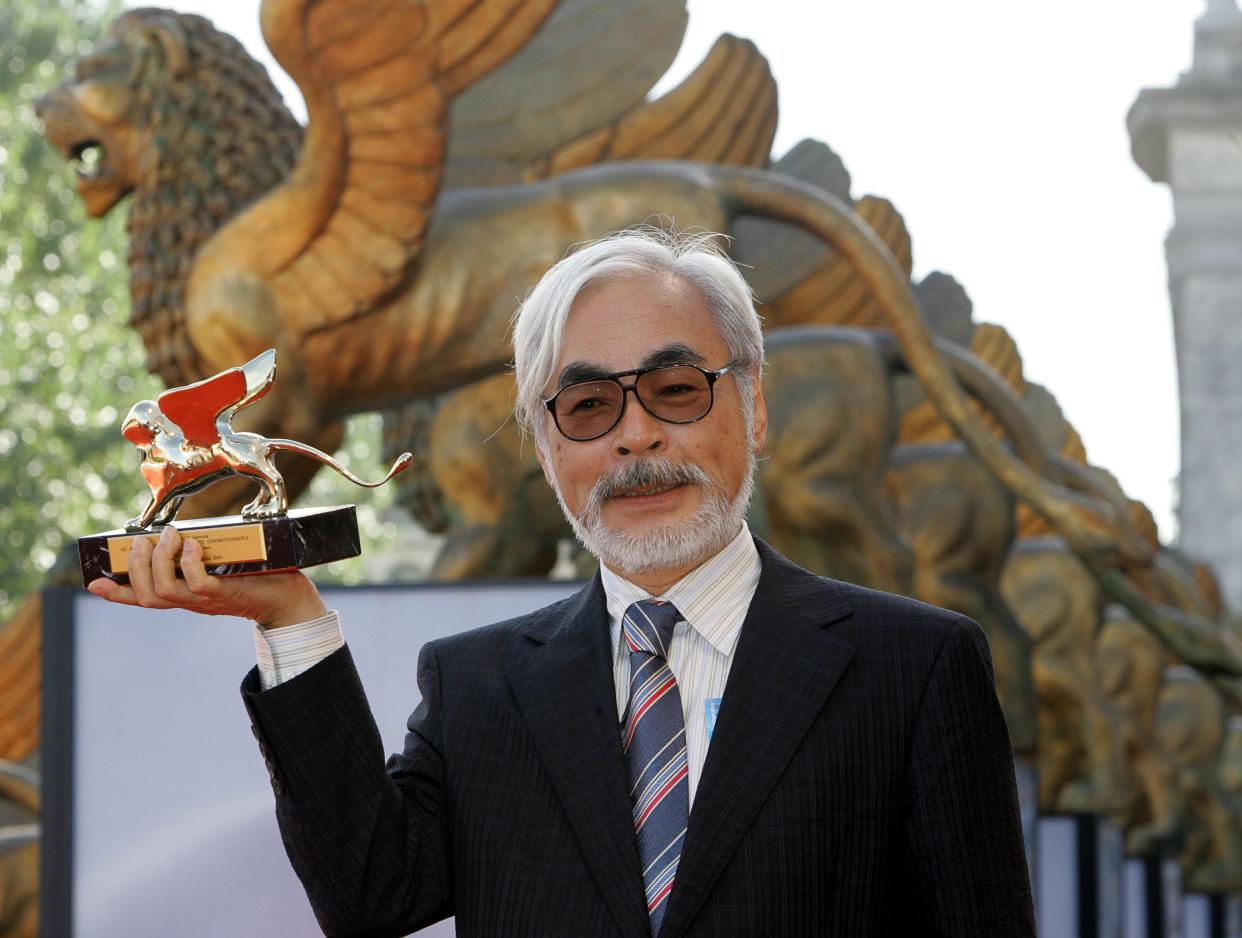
<point x="187" y="442"/>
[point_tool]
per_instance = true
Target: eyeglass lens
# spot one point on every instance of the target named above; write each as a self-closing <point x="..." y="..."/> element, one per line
<point x="677" y="394"/>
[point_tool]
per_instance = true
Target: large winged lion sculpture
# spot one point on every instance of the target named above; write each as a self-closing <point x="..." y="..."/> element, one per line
<point x="339" y="248"/>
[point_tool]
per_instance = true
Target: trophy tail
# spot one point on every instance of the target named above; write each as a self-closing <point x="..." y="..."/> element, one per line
<point x="293" y="446"/>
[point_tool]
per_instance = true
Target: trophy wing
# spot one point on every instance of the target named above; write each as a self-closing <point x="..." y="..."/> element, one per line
<point x="259" y="373"/>
<point x="591" y="63"/>
<point x="350" y="220"/>
<point x="195" y="407"/>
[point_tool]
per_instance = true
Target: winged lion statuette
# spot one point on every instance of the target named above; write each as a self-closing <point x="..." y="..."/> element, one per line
<point x="187" y="442"/>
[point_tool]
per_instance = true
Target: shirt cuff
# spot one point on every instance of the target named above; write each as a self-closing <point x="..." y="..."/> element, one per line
<point x="286" y="652"/>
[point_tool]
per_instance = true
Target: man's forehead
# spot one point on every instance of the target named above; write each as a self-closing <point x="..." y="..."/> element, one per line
<point x="634" y="322"/>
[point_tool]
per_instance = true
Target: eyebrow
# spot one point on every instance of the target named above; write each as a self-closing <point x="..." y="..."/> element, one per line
<point x="675" y="353"/>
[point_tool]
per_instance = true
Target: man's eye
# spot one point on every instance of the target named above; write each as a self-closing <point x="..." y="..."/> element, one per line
<point x="673" y="390"/>
<point x="588" y="404"/>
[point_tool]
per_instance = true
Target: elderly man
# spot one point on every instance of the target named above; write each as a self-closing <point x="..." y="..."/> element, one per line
<point x="705" y="740"/>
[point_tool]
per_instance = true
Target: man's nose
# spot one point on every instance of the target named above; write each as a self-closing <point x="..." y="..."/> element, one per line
<point x="638" y="431"/>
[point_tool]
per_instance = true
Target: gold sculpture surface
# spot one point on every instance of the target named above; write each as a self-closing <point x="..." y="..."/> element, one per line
<point x="1192" y="723"/>
<point x="1081" y="759"/>
<point x="958" y="521"/>
<point x="1129" y="666"/>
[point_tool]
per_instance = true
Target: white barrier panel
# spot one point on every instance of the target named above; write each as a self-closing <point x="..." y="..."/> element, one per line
<point x="1027" y="778"/>
<point x="1153" y="904"/>
<point x="1110" y="857"/>
<point x="1138" y="902"/>
<point x="1171" y="886"/>
<point x="1197" y="916"/>
<point x="160" y="810"/>
<point x="1057" y="897"/>
<point x="1080" y="888"/>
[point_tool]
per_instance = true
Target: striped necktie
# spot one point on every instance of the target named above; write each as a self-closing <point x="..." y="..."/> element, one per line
<point x="654" y="740"/>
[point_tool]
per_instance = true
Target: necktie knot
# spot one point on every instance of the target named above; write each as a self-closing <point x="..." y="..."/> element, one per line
<point x="648" y="626"/>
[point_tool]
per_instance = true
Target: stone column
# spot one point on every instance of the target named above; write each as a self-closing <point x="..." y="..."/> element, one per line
<point x="1190" y="136"/>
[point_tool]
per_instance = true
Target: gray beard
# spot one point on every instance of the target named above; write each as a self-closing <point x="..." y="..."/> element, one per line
<point x="684" y="544"/>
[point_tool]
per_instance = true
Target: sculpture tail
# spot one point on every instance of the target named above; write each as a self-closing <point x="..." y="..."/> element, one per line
<point x="1090" y="524"/>
<point x="293" y="446"/>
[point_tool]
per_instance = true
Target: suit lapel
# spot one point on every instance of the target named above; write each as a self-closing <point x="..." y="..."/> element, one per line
<point x="785" y="667"/>
<point x="563" y="682"/>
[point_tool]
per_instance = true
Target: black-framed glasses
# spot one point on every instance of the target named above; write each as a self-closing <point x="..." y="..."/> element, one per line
<point x="672" y="393"/>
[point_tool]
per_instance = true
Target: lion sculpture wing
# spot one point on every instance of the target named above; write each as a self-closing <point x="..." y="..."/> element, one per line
<point x="588" y="65"/>
<point x="350" y="220"/>
<point x="577" y="95"/>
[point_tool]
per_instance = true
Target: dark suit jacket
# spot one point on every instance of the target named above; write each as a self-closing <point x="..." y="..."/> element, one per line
<point x="859" y="781"/>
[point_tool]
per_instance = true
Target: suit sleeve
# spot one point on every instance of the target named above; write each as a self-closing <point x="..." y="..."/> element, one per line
<point x="964" y="847"/>
<point x="368" y="841"/>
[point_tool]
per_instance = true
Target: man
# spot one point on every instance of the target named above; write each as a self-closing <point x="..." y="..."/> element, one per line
<point x="796" y="756"/>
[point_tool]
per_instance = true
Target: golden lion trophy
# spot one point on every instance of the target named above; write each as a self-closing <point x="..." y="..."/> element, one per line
<point x="187" y="442"/>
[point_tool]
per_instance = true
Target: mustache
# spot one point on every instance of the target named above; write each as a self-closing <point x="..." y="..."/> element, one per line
<point x="654" y="470"/>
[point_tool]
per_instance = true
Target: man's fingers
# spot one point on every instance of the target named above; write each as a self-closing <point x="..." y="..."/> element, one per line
<point x="113" y="592"/>
<point x="140" y="575"/>
<point x="125" y="595"/>
<point x="197" y="579"/>
<point x="164" y="565"/>
<point x="140" y="571"/>
<point x="279" y="599"/>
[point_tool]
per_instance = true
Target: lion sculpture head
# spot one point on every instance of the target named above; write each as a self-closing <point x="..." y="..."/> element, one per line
<point x="173" y="111"/>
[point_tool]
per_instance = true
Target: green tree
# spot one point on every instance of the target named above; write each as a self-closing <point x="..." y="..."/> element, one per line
<point x="69" y="363"/>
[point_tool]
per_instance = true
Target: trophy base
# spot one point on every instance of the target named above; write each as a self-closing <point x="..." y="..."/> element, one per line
<point x="235" y="546"/>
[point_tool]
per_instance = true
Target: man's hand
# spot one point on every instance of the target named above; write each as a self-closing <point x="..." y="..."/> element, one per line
<point x="272" y="600"/>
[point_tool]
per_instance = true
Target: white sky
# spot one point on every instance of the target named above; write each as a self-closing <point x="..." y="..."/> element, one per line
<point x="998" y="130"/>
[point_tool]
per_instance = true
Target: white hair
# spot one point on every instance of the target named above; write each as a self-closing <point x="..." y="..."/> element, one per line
<point x="695" y="258"/>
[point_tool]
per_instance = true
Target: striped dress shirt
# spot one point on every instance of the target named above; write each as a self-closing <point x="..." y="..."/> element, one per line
<point x="713" y="600"/>
<point x="285" y="653"/>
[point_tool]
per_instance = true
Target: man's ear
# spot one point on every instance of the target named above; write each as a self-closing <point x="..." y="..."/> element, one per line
<point x="760" y="434"/>
<point x="541" y="454"/>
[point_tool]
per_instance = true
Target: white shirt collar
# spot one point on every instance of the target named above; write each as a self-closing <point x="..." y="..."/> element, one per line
<point x="713" y="598"/>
